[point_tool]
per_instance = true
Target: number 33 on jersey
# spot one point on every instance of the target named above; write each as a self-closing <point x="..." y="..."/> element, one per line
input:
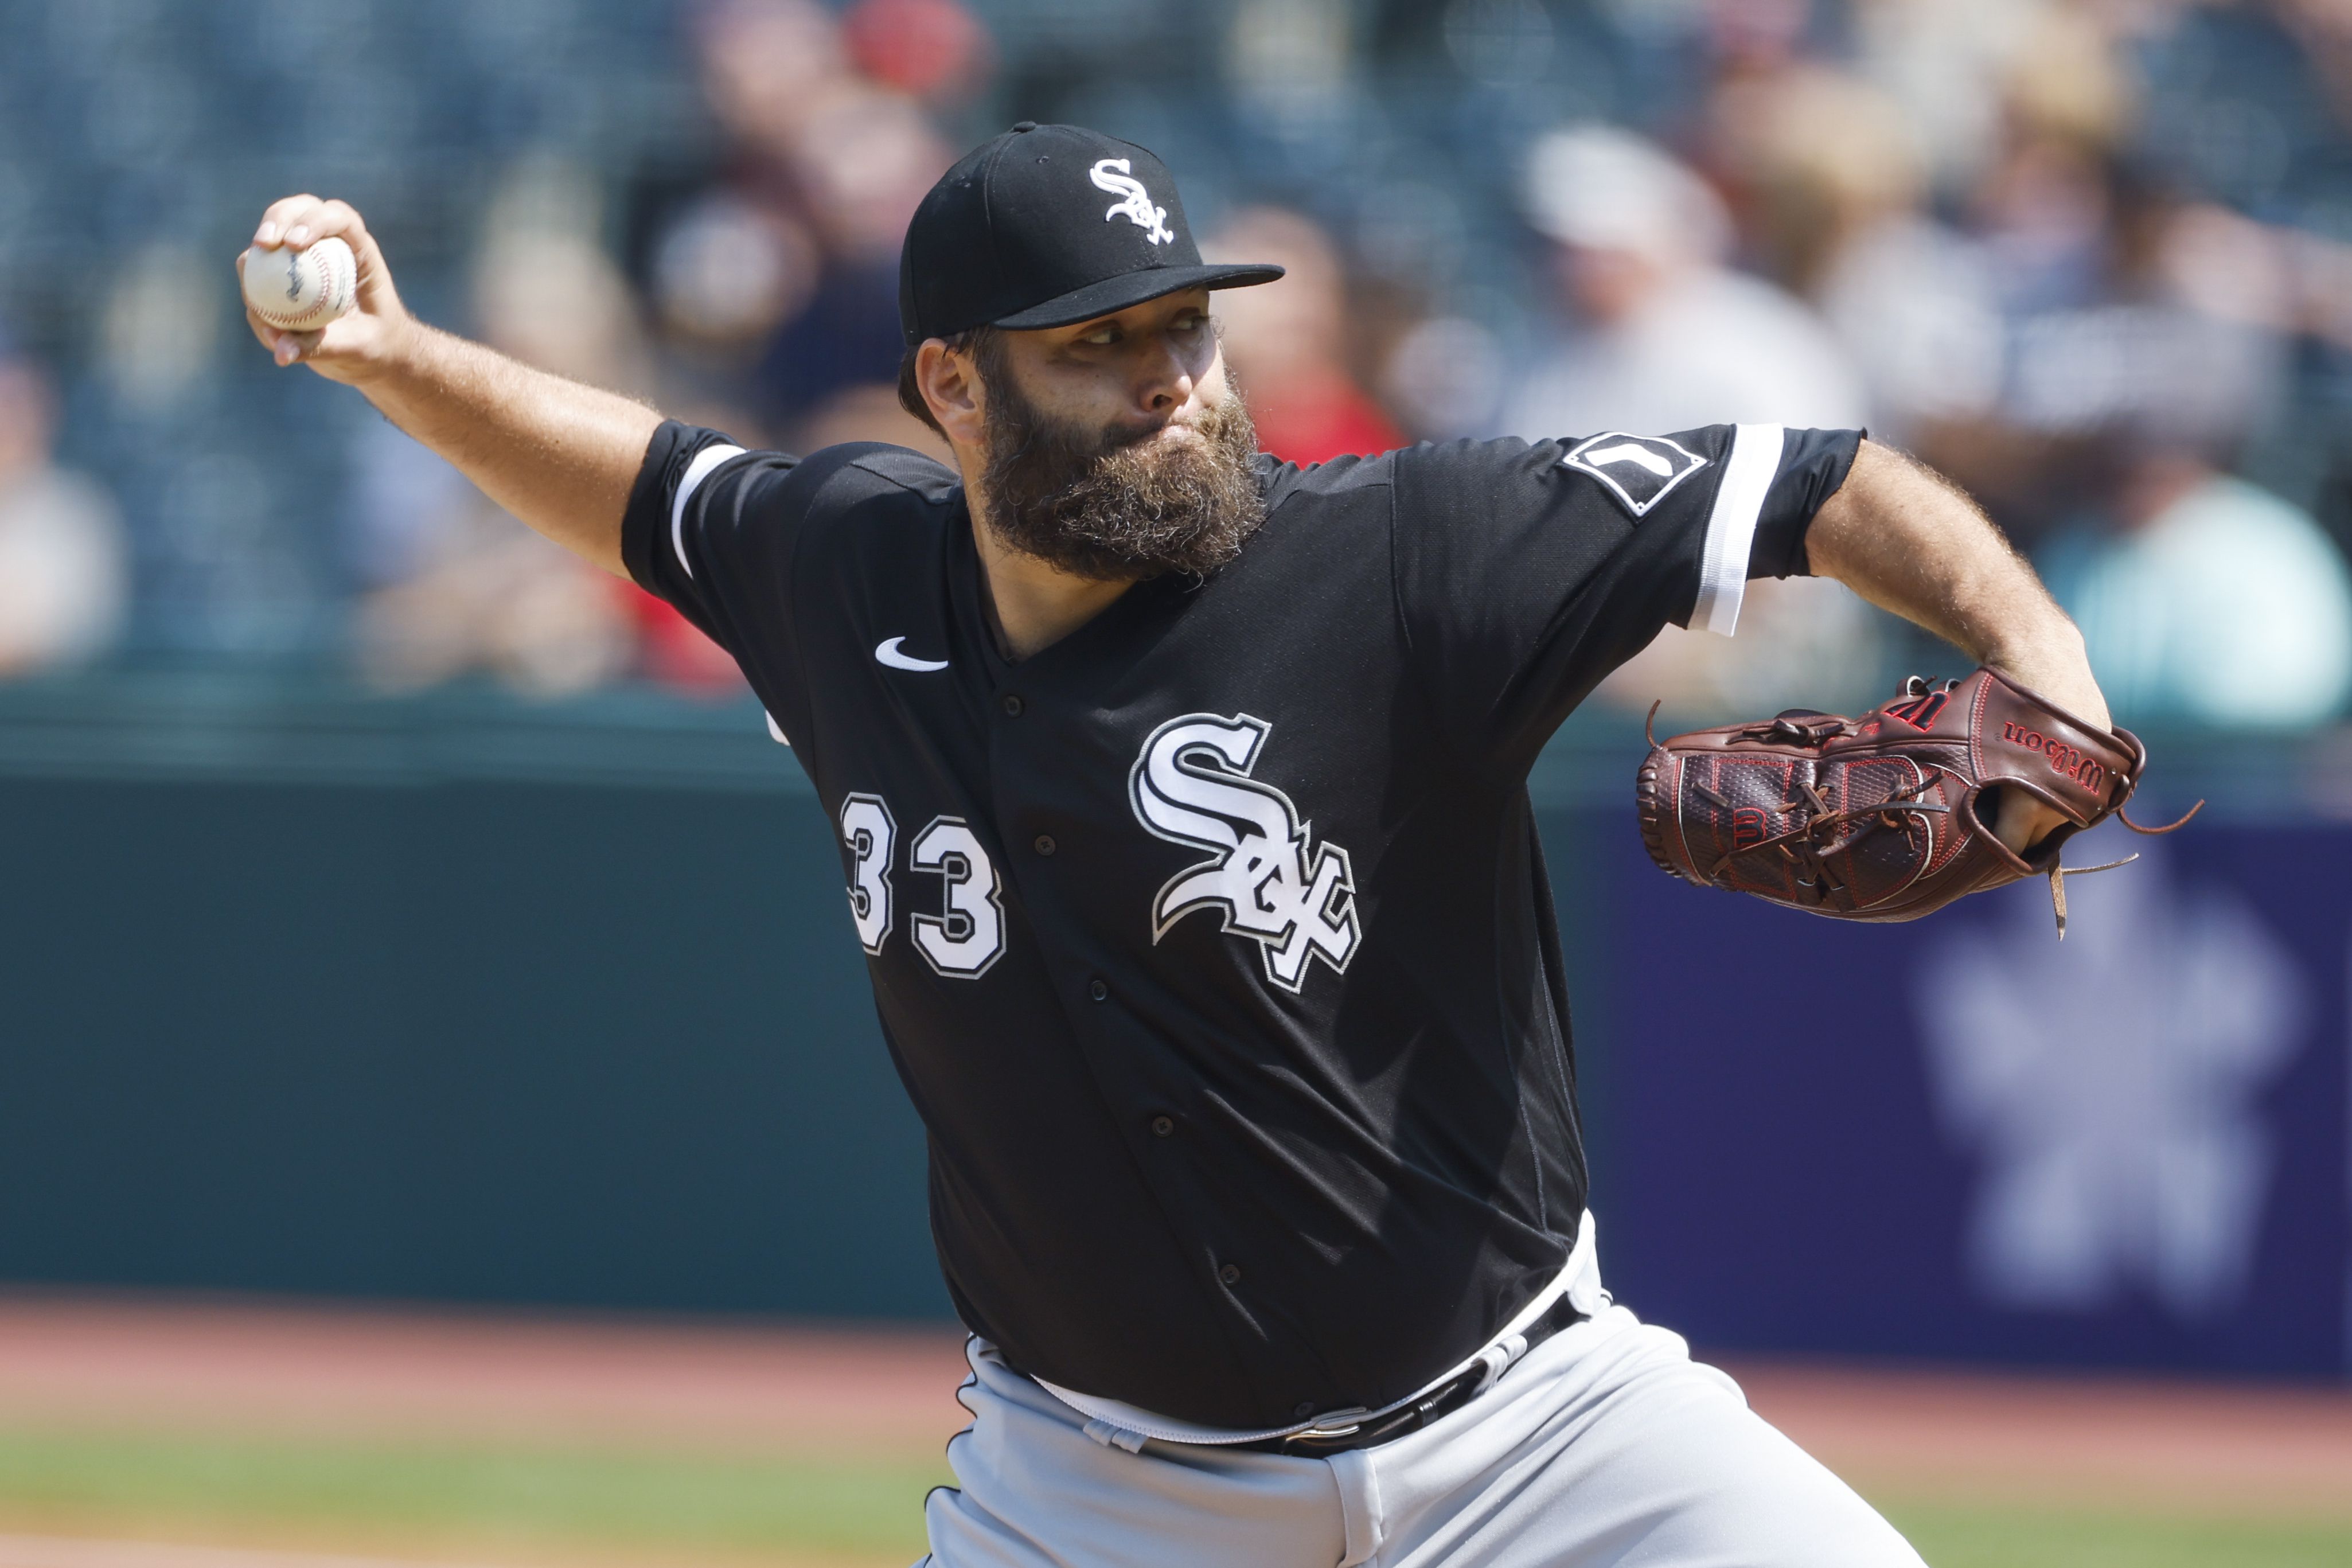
<point x="960" y="943"/>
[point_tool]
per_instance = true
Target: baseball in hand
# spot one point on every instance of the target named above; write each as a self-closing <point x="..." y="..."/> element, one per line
<point x="301" y="290"/>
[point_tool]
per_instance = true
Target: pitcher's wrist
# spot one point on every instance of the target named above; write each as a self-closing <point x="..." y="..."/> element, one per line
<point x="2055" y="663"/>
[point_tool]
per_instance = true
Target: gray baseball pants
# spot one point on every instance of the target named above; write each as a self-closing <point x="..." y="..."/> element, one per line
<point x="1604" y="1445"/>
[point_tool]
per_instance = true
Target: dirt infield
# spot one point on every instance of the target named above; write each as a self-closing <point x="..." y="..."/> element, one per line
<point x="2185" y="1446"/>
<point x="19" y="1551"/>
<point x="226" y="1367"/>
<point x="75" y="1552"/>
<point x="364" y="1372"/>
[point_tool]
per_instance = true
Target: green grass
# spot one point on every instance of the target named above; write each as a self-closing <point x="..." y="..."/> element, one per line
<point x="612" y="1497"/>
<point x="1954" y="1535"/>
<point x="623" y="1498"/>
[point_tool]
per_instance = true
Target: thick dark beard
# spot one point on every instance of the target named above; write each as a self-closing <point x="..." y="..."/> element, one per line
<point x="1103" y="505"/>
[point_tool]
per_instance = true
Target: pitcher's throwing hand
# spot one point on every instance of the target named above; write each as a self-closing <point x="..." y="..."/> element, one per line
<point x="348" y="346"/>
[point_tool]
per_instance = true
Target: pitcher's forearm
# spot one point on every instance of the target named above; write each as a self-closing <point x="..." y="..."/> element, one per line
<point x="1908" y="542"/>
<point x="559" y="454"/>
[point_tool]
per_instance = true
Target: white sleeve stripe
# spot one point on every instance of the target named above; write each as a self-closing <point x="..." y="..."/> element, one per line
<point x="696" y="471"/>
<point x="1747" y="477"/>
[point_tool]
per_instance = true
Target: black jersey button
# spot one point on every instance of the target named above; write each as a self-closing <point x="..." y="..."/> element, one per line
<point x="1302" y="1410"/>
<point x="1045" y="845"/>
<point x="1099" y="991"/>
<point x="1231" y="1274"/>
<point x="1012" y="704"/>
<point x="1163" y="1126"/>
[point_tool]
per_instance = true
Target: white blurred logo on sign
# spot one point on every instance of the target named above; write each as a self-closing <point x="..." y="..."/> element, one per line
<point x="2109" y="1088"/>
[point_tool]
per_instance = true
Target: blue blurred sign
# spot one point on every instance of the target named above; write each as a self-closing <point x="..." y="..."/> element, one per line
<point x="1959" y="1138"/>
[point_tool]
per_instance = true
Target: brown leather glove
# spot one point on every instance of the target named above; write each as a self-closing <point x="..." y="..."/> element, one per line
<point x="1888" y="816"/>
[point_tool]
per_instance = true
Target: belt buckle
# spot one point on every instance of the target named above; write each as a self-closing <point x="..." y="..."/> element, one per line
<point x="1327" y="1431"/>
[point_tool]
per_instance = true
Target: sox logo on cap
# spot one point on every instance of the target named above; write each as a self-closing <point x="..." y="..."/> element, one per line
<point x="1009" y="238"/>
<point x="1111" y="175"/>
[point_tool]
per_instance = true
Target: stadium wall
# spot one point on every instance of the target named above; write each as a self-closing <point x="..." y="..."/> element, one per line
<point x="453" y="1000"/>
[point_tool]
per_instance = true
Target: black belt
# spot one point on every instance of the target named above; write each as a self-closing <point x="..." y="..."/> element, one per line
<point x="1444" y="1399"/>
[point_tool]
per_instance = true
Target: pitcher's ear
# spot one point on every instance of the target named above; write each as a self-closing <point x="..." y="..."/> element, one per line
<point x="950" y="382"/>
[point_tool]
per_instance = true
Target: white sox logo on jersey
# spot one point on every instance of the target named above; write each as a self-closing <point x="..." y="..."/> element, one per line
<point x="1192" y="785"/>
<point x="1637" y="469"/>
<point x="1111" y="175"/>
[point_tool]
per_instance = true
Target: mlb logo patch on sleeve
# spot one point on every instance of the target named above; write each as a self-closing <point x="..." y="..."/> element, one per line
<point x="1637" y="469"/>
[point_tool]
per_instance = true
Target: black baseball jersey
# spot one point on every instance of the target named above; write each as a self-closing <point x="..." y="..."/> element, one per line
<point x="1213" y="942"/>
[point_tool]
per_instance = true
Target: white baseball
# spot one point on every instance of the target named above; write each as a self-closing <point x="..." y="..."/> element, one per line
<point x="301" y="290"/>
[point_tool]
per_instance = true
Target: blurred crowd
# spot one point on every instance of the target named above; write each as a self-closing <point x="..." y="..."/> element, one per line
<point x="2092" y="258"/>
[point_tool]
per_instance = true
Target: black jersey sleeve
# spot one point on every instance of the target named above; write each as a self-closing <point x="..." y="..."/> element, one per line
<point x="696" y="524"/>
<point x="712" y="528"/>
<point x="764" y="552"/>
<point x="1526" y="572"/>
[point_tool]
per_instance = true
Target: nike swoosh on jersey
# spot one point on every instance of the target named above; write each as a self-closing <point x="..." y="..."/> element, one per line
<point x="889" y="653"/>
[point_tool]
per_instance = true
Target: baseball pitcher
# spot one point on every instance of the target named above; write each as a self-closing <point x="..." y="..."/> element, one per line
<point x="1181" y="796"/>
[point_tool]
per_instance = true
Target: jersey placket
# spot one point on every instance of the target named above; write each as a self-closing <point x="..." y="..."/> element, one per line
<point x="1050" y="750"/>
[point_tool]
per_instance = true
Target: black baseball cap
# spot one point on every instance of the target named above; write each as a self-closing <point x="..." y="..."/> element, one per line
<point x="1046" y="225"/>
